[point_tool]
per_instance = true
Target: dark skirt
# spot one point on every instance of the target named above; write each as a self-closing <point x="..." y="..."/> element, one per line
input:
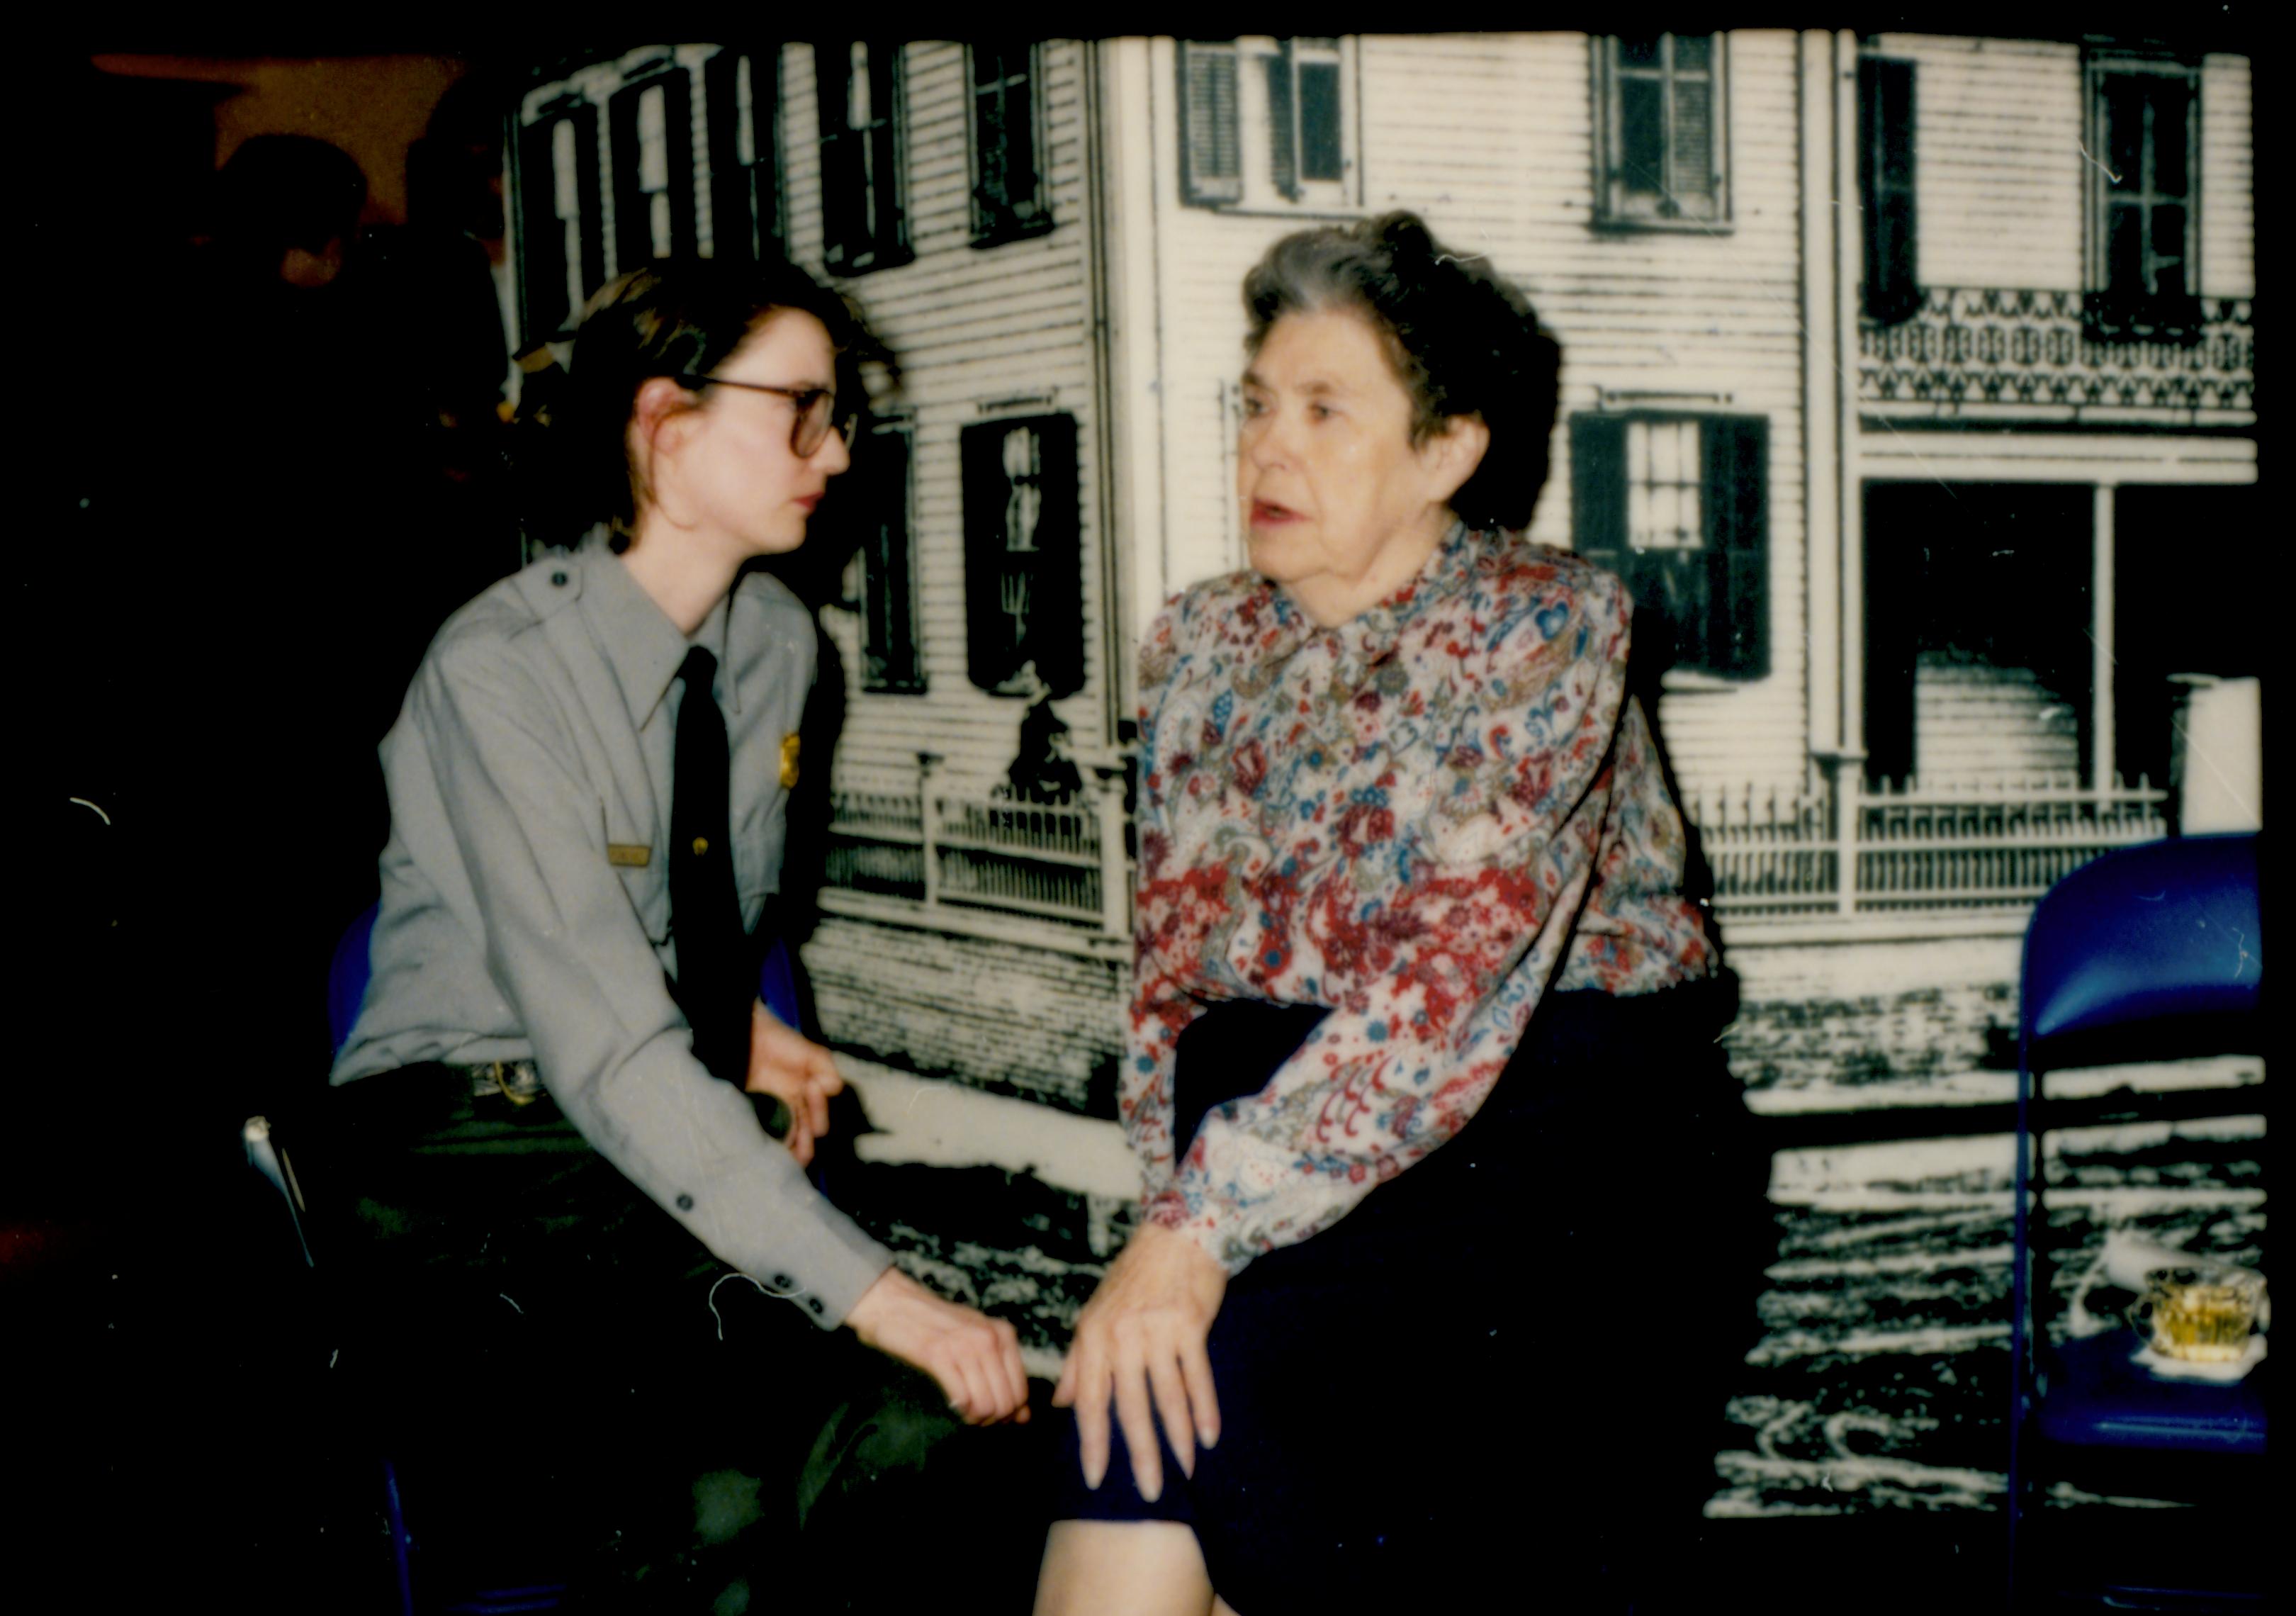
<point x="1505" y="1366"/>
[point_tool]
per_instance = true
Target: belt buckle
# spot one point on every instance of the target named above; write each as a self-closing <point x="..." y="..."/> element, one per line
<point x="505" y="1072"/>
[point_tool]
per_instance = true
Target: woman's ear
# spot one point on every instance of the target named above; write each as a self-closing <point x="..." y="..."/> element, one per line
<point x="1454" y="454"/>
<point x="655" y="434"/>
<point x="659" y="401"/>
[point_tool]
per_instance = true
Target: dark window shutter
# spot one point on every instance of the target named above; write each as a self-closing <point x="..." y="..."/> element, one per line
<point x="888" y="570"/>
<point x="734" y="229"/>
<point x="991" y="657"/>
<point x="677" y="117"/>
<point x="1321" y="153"/>
<point x="1885" y="185"/>
<point x="889" y="225"/>
<point x="1598" y="490"/>
<point x="1211" y="152"/>
<point x="542" y="240"/>
<point x="1737" y="504"/>
<point x="632" y="240"/>
<point x="844" y="171"/>
<point x="1282" y="148"/>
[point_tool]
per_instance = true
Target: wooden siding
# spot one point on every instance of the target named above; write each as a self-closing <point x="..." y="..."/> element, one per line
<point x="1976" y="725"/>
<point x="970" y="327"/>
<point x="1996" y="159"/>
<point x="1490" y="139"/>
<point x="1999" y="128"/>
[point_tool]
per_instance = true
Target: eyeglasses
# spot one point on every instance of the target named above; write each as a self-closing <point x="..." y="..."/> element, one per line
<point x="817" y="411"/>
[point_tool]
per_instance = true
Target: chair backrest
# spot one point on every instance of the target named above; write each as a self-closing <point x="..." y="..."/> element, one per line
<point x="2151" y="949"/>
<point x="348" y="974"/>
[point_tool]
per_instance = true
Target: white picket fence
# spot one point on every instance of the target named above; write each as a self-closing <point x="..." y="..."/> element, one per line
<point x="1065" y="863"/>
<point x="1853" y="849"/>
<point x="1907" y="846"/>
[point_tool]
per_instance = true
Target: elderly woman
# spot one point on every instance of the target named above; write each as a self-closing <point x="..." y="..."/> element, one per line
<point x="1411" y="877"/>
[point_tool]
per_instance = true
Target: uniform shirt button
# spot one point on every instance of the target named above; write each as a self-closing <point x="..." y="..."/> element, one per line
<point x="558" y="578"/>
<point x="685" y="1203"/>
<point x="782" y="1282"/>
<point x="814" y="1303"/>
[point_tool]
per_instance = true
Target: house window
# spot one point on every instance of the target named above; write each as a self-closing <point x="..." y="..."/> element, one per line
<point x="1885" y="187"/>
<point x="2145" y="120"/>
<point x="1008" y="167"/>
<point x="563" y="251"/>
<point x="1023" y="554"/>
<point x="1303" y="115"/>
<point x="1663" y="148"/>
<point x="888" y="594"/>
<point x="652" y="125"/>
<point x="1266" y="122"/>
<point x="744" y="88"/>
<point x="863" y="210"/>
<point x="1678" y="506"/>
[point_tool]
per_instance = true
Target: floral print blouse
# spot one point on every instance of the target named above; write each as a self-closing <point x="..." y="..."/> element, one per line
<point x="1423" y="819"/>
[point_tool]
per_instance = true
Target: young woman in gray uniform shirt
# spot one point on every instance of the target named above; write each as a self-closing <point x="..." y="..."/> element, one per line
<point x="532" y="1121"/>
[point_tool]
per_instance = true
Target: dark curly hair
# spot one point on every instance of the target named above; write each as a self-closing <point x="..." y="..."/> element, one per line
<point x="1463" y="340"/>
<point x="677" y="317"/>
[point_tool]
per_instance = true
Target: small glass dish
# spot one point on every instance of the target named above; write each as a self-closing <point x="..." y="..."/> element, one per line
<point x="2202" y="1313"/>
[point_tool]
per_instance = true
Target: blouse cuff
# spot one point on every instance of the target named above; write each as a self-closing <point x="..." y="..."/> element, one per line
<point x="1217" y="1240"/>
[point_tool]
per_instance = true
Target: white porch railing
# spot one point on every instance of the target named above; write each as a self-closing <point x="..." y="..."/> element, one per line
<point x="1065" y="862"/>
<point x="1854" y="851"/>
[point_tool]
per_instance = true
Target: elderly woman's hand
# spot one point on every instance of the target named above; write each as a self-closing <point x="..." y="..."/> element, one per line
<point x="1141" y="1339"/>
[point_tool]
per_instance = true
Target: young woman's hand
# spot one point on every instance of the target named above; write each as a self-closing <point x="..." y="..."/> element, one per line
<point x="976" y="1359"/>
<point x="1140" y="1342"/>
<point x="798" y="1071"/>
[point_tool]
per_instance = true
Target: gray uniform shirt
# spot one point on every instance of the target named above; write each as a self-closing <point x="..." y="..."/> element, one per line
<point x="526" y="901"/>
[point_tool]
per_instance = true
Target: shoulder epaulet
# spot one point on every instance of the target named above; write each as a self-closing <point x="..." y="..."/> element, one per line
<point x="547" y="584"/>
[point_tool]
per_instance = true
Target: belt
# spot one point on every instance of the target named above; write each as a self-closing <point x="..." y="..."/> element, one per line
<point x="518" y="1081"/>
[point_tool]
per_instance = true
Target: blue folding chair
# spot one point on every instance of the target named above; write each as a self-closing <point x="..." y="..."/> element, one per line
<point x="347" y="974"/>
<point x="2150" y="953"/>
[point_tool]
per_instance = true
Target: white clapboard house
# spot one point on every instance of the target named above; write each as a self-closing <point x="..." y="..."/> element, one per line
<point x="1902" y="372"/>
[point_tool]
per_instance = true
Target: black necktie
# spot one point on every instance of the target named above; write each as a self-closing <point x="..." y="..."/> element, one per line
<point x="714" y="986"/>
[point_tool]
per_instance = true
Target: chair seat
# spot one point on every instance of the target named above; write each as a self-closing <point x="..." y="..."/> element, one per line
<point x="2097" y="1398"/>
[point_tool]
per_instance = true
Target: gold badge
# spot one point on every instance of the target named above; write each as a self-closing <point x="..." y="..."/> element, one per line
<point x="629" y="855"/>
<point x="789" y="762"/>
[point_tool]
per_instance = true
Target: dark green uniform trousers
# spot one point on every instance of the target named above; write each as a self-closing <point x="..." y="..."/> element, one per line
<point x="572" y="1388"/>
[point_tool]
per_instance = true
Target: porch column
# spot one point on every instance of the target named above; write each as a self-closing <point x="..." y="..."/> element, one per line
<point x="928" y="825"/>
<point x="1115" y="878"/>
<point x="2101" y="615"/>
<point x="1821" y="223"/>
<point x="1849" y="250"/>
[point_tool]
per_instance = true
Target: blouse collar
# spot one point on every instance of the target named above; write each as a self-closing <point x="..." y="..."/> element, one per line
<point x="1374" y="632"/>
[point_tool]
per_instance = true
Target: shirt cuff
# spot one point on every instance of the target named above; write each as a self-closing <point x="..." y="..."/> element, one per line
<point x="837" y="1271"/>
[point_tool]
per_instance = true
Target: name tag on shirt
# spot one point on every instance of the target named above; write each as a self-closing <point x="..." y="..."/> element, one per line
<point x="629" y="855"/>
